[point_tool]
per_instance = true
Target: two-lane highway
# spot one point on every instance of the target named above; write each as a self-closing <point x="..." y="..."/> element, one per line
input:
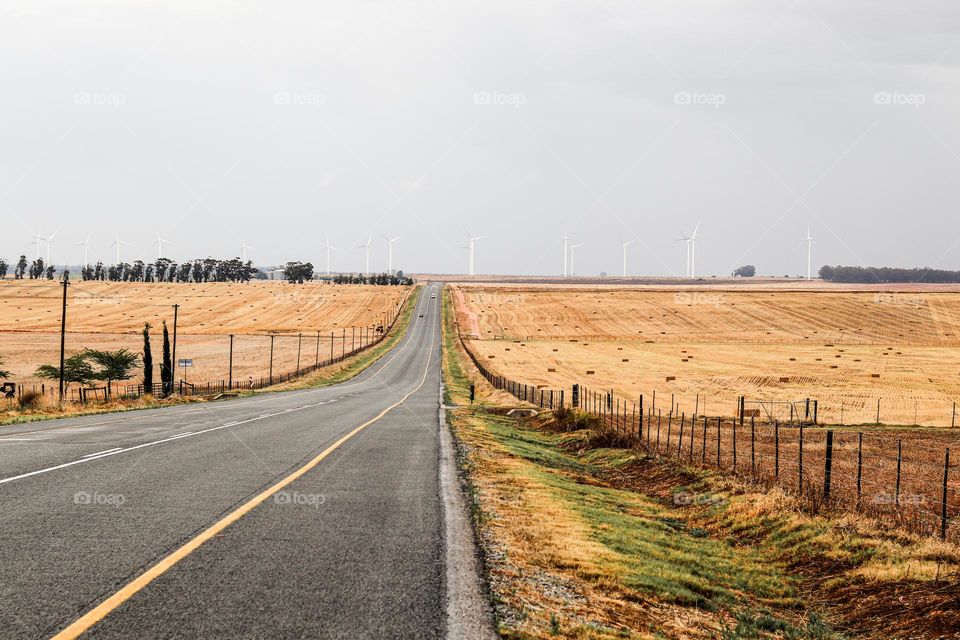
<point x="304" y="514"/>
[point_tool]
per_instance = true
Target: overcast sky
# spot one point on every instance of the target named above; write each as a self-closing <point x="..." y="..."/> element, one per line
<point x="277" y="123"/>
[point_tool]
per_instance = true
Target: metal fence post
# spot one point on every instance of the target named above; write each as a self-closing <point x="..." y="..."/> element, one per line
<point x="943" y="504"/>
<point x="828" y="465"/>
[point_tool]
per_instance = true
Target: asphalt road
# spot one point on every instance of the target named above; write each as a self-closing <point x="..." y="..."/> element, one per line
<point x="315" y="513"/>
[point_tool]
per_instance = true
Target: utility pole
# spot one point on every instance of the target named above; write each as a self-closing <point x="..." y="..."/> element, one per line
<point x="343" y="344"/>
<point x="231" y="363"/>
<point x="63" y="331"/>
<point x="299" y="344"/>
<point x="316" y="364"/>
<point x="272" y="336"/>
<point x="173" y="356"/>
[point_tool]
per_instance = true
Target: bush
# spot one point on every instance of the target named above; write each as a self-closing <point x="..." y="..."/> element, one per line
<point x="29" y="400"/>
<point x="567" y="419"/>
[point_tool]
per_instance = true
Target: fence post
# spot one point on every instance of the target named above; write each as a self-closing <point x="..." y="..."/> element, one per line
<point x="551" y="399"/>
<point x="859" y="466"/>
<point x="753" y="447"/>
<point x="815" y="408"/>
<point x="703" y="452"/>
<point x="828" y="465"/>
<point x="735" y="444"/>
<point x="561" y="398"/>
<point x="943" y="501"/>
<point x="896" y="495"/>
<point x="693" y="431"/>
<point x="683" y="417"/>
<point x="633" y="420"/>
<point x="669" y="429"/>
<point x="659" y="416"/>
<point x="776" y="449"/>
<point x="953" y="418"/>
<point x="800" y="463"/>
<point x="616" y="420"/>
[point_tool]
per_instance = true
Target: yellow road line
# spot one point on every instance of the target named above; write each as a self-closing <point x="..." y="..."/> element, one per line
<point x="98" y="613"/>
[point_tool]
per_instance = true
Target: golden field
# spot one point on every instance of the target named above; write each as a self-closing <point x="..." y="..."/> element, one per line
<point x="110" y="315"/>
<point x="845" y="347"/>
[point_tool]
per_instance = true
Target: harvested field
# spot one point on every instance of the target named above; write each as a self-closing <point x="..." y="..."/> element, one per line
<point x="106" y="315"/>
<point x="845" y="348"/>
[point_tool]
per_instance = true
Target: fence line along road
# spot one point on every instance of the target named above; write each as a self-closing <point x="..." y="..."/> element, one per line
<point x="904" y="479"/>
<point x="362" y="341"/>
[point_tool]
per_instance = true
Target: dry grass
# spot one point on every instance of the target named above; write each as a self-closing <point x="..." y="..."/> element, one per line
<point x="104" y="315"/>
<point x="844" y="348"/>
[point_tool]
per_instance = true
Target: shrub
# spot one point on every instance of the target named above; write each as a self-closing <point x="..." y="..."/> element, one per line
<point x="30" y="400"/>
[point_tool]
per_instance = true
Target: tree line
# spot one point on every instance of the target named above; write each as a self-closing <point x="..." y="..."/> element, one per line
<point x="373" y="278"/>
<point x="872" y="275"/>
<point x="163" y="270"/>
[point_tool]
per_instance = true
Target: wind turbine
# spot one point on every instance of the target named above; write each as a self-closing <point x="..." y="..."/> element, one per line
<point x="160" y="242"/>
<point x="624" y="245"/>
<point x="809" y="252"/>
<point x="472" y="247"/>
<point x="49" y="242"/>
<point x="328" y="248"/>
<point x="390" y="242"/>
<point x="572" y="247"/>
<point x="566" y="240"/>
<point x="243" y="250"/>
<point x="85" y="244"/>
<point x="691" y="250"/>
<point x="37" y="239"/>
<point x="366" y="248"/>
<point x="118" y="242"/>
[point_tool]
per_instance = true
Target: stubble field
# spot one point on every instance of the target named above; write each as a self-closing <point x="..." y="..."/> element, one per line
<point x="105" y="315"/>
<point x="703" y="347"/>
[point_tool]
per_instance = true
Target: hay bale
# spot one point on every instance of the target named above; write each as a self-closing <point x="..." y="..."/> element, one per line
<point x="874" y="375"/>
<point x="784" y="379"/>
<point x="671" y="378"/>
<point x="590" y="372"/>
<point x="625" y="360"/>
<point x="551" y="370"/>
<point x="491" y="357"/>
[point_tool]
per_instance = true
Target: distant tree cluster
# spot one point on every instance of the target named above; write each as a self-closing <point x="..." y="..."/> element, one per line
<point x="298" y="272"/>
<point x="886" y="274"/>
<point x="374" y="278"/>
<point x="166" y="270"/>
<point x="746" y="271"/>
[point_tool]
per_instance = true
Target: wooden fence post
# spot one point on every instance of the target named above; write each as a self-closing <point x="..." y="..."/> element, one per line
<point x="659" y="416"/>
<point x="718" y="442"/>
<point x="800" y="462"/>
<point x="859" y="466"/>
<point x="683" y="417"/>
<point x="943" y="500"/>
<point x="896" y="495"/>
<point x="753" y="447"/>
<point x="776" y="449"/>
<point x="735" y="445"/>
<point x="828" y="465"/>
<point x="669" y="429"/>
<point x="703" y="452"/>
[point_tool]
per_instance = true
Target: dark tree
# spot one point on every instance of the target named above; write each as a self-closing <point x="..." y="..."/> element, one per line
<point x="298" y="272"/>
<point x="3" y="268"/>
<point x="21" y="268"/>
<point x="746" y="271"/>
<point x="147" y="361"/>
<point x="76" y="368"/>
<point x="166" y="367"/>
<point x="114" y="365"/>
<point x="4" y="374"/>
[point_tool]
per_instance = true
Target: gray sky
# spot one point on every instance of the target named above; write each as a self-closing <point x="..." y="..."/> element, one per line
<point x="274" y="123"/>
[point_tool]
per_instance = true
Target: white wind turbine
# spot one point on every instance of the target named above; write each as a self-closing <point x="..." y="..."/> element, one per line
<point x="49" y="242"/>
<point x="809" y="253"/>
<point x="472" y="247"/>
<point x="37" y="239"/>
<point x="160" y="242"/>
<point x="566" y="252"/>
<point x="118" y="243"/>
<point x="243" y="250"/>
<point x="624" y="245"/>
<point x="85" y="244"/>
<point x="390" y="242"/>
<point x="691" y="250"/>
<point x="328" y="248"/>
<point x="366" y="248"/>
<point x="572" y="247"/>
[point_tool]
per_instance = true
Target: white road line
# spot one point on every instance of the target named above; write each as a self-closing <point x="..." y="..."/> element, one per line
<point x="90" y="455"/>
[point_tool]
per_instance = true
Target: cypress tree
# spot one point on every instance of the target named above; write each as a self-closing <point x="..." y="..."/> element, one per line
<point x="147" y="361"/>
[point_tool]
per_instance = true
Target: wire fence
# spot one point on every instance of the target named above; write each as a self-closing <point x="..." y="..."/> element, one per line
<point x="334" y="348"/>
<point x="903" y="478"/>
